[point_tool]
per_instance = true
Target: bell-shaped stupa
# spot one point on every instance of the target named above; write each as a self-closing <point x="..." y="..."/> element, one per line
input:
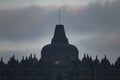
<point x="59" y="51"/>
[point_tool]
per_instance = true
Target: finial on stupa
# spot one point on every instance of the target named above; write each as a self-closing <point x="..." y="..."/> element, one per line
<point x="59" y="16"/>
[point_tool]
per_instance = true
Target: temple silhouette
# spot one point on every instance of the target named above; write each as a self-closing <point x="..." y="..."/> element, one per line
<point x="59" y="61"/>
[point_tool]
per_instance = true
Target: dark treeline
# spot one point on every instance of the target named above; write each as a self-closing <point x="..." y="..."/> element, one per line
<point x="29" y="68"/>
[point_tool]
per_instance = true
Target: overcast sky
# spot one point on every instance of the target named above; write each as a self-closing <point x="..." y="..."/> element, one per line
<point x="91" y="25"/>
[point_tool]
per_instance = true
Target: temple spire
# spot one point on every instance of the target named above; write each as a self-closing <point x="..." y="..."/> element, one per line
<point x="59" y="35"/>
<point x="59" y="16"/>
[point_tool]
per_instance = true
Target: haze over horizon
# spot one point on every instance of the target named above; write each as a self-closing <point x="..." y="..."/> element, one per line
<point x="91" y="25"/>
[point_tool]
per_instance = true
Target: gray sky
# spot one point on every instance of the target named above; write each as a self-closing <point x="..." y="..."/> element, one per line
<point x="91" y="25"/>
